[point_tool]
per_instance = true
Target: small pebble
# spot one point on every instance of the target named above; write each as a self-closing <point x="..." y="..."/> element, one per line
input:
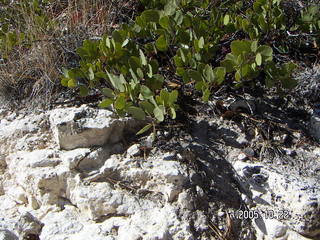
<point x="221" y="214"/>
<point x="242" y="140"/>
<point x="134" y="150"/>
<point x="242" y="157"/>
<point x="248" y="151"/>
<point x="290" y="152"/>
<point x="317" y="151"/>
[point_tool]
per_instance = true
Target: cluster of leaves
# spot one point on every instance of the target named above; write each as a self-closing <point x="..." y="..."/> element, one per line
<point x="181" y="40"/>
<point x="16" y="19"/>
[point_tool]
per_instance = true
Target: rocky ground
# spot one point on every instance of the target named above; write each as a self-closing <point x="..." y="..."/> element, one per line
<point x="244" y="166"/>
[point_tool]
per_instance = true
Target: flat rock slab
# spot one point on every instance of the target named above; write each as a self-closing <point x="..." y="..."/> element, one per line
<point x="85" y="127"/>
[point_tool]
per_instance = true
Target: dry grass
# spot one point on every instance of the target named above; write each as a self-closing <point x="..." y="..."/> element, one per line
<point x="32" y="71"/>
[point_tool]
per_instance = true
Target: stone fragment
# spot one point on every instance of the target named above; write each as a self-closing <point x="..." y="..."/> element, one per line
<point x="241" y="139"/>
<point x="249" y="152"/>
<point x="85" y="127"/>
<point x="185" y="200"/>
<point x="7" y="235"/>
<point x="85" y="159"/>
<point x="61" y="224"/>
<point x="29" y="225"/>
<point x="317" y="151"/>
<point x="242" y="157"/>
<point x="275" y="229"/>
<point x="315" y="127"/>
<point x="97" y="200"/>
<point x="134" y="150"/>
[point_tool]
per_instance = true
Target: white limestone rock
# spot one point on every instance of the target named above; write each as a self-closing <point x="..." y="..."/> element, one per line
<point x="60" y="225"/>
<point x="271" y="228"/>
<point x="315" y="127"/>
<point x="96" y="200"/>
<point x="85" y="127"/>
<point x="85" y="159"/>
<point x="28" y="225"/>
<point x="7" y="235"/>
<point x="20" y="127"/>
<point x="133" y="150"/>
<point x="7" y="229"/>
<point x="40" y="176"/>
<point x="293" y="199"/>
<point x="158" y="223"/>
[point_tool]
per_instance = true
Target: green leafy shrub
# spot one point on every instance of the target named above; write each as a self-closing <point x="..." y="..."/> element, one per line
<point x="181" y="41"/>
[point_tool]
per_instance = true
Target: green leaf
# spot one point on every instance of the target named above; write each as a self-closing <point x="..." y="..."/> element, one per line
<point x="226" y="19"/>
<point x="125" y="43"/>
<point x="134" y="62"/>
<point x="107" y="42"/>
<point x="165" y="22"/>
<point x="289" y="67"/>
<point x="178" y="18"/>
<point x="220" y="73"/>
<point x="258" y="59"/>
<point x="140" y="73"/>
<point x="200" y="85"/>
<point x="254" y="46"/>
<point x="155" y="65"/>
<point x="178" y="61"/>
<point x="136" y="112"/>
<point x="183" y="37"/>
<point x="195" y="75"/>
<point x="206" y="95"/>
<point x="240" y="46"/>
<point x="158" y="114"/>
<point x="181" y="53"/>
<point x="170" y="8"/>
<point x="143" y="58"/>
<point x="265" y="51"/>
<point x="120" y="102"/>
<point x="229" y="65"/>
<point x="144" y="129"/>
<point x="173" y="97"/>
<point x="149" y="73"/>
<point x="155" y="82"/>
<point x="101" y="75"/>
<point x="105" y="103"/>
<point x="116" y="82"/>
<point x="83" y="91"/>
<point x="201" y="43"/>
<point x="208" y="73"/>
<point x="245" y="24"/>
<point x="146" y="92"/>
<point x="117" y="37"/>
<point x="91" y="73"/>
<point x="64" y="82"/>
<point x="173" y="113"/>
<point x="238" y="76"/>
<point x="162" y="44"/>
<point x="262" y="23"/>
<point x="180" y="71"/>
<point x="147" y="106"/>
<point x="164" y="95"/>
<point x="108" y="92"/>
<point x="245" y="70"/>
<point x="72" y="83"/>
<point x="151" y="15"/>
